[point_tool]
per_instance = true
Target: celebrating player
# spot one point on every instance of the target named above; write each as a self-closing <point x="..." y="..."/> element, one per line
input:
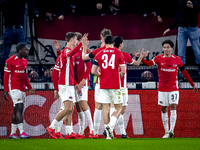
<point x="82" y="70"/>
<point x="15" y="82"/>
<point x="127" y="58"/>
<point x="66" y="86"/>
<point x="98" y="104"/>
<point x="109" y="61"/>
<point x="168" y="92"/>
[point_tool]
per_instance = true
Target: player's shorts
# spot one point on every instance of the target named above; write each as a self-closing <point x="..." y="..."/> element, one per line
<point x="83" y="95"/>
<point x="112" y="96"/>
<point x="125" y="96"/>
<point x="17" y="96"/>
<point x="97" y="95"/>
<point x="66" y="92"/>
<point x="168" y="98"/>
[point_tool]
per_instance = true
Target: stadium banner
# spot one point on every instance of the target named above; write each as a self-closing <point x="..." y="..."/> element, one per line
<point x="142" y="118"/>
<point x="137" y="31"/>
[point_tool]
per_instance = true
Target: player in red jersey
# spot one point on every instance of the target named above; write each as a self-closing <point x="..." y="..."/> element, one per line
<point x="109" y="60"/>
<point x="66" y="85"/>
<point x="15" y="82"/>
<point x="168" y="92"/>
<point x="124" y="88"/>
<point x="98" y="104"/>
<point x="82" y="70"/>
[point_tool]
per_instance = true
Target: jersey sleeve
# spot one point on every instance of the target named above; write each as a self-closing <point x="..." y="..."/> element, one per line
<point x="180" y="62"/>
<point x="121" y="61"/>
<point x="87" y="73"/>
<point x="155" y="60"/>
<point x="72" y="52"/>
<point x="95" y="52"/>
<point x="57" y="64"/>
<point x="7" y="71"/>
<point x="128" y="58"/>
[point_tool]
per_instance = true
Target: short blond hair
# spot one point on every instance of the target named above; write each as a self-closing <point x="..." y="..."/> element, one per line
<point x="105" y="32"/>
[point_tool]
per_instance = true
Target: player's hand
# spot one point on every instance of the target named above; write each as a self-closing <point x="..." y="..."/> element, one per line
<point x="78" y="89"/>
<point x="5" y="95"/>
<point x="165" y="32"/>
<point x="189" y="4"/>
<point x="137" y="54"/>
<point x="32" y="91"/>
<point x="82" y="83"/>
<point x="144" y="54"/>
<point x="195" y="89"/>
<point x="56" y="94"/>
<point x="57" y="45"/>
<point x="61" y="17"/>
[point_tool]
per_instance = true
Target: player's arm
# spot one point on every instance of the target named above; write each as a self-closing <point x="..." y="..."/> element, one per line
<point x="55" y="77"/>
<point x="85" y="56"/>
<point x="73" y="52"/>
<point x="57" y="46"/>
<point x="148" y="63"/>
<point x="187" y="76"/>
<point x="86" y="75"/>
<point x="142" y="55"/>
<point x="27" y="83"/>
<point x="123" y="70"/>
<point x="7" y="72"/>
<point x="94" y="70"/>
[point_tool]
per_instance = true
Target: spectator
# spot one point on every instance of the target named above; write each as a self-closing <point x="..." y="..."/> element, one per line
<point x="147" y="76"/>
<point x="186" y="20"/>
<point x="34" y="76"/>
<point x="48" y="74"/>
<point x="13" y="13"/>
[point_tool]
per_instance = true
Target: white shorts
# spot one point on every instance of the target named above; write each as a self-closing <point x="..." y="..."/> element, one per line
<point x="125" y="96"/>
<point x="112" y="96"/>
<point x="97" y="96"/>
<point x="83" y="95"/>
<point x="17" y="96"/>
<point x="66" y="92"/>
<point x="168" y="98"/>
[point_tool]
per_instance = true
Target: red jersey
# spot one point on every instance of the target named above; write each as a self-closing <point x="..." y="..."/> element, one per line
<point x="67" y="62"/>
<point x="167" y="72"/>
<point x="82" y="68"/>
<point x="56" y="73"/>
<point x="127" y="59"/>
<point x="109" y="61"/>
<point x="15" y="74"/>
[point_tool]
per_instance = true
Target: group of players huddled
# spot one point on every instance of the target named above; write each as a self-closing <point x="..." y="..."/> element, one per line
<point x="70" y="80"/>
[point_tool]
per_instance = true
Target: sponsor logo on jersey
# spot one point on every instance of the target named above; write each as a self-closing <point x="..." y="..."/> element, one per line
<point x="168" y="70"/>
<point x="70" y="97"/>
<point x="19" y="71"/>
<point x="174" y="65"/>
<point x="18" y="99"/>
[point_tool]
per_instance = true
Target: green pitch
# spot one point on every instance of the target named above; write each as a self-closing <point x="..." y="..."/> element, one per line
<point x="101" y="144"/>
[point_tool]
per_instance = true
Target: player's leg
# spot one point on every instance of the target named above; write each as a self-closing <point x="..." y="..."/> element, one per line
<point x="59" y="125"/>
<point x="116" y="98"/>
<point x="81" y="119"/>
<point x="98" y="110"/>
<point x="120" y="120"/>
<point x="88" y="117"/>
<point x="14" y="125"/>
<point x="18" y="98"/>
<point x="173" y="101"/>
<point x="163" y="102"/>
